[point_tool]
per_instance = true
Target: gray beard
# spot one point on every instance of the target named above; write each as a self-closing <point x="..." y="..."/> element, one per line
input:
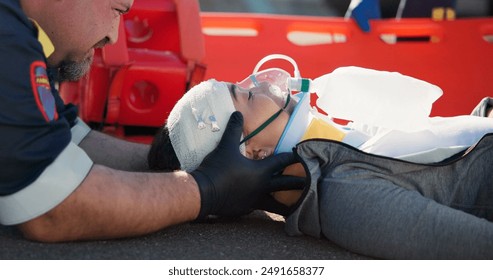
<point x="74" y="71"/>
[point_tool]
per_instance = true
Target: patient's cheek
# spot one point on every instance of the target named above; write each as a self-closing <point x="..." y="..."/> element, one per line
<point x="291" y="197"/>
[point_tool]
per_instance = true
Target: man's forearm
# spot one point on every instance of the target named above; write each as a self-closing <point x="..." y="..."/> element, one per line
<point x="115" y="153"/>
<point x="113" y="204"/>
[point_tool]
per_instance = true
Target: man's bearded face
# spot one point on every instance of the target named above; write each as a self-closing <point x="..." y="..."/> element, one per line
<point x="73" y="71"/>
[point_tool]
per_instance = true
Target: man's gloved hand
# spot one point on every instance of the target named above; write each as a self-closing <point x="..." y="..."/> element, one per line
<point x="233" y="185"/>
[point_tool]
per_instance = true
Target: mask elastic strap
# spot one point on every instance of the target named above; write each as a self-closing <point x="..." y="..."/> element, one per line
<point x="267" y="122"/>
<point x="278" y="56"/>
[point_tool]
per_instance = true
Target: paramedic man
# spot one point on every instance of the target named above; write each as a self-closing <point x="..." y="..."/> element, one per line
<point x="59" y="180"/>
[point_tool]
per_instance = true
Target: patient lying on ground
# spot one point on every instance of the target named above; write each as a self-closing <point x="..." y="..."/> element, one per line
<point x="196" y="124"/>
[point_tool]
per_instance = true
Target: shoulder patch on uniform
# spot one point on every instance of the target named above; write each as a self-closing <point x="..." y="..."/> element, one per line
<point x="42" y="91"/>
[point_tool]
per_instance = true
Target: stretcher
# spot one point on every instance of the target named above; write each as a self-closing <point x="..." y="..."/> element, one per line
<point x="167" y="46"/>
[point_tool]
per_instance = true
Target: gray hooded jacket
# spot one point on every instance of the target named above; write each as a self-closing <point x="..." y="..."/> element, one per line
<point x="388" y="208"/>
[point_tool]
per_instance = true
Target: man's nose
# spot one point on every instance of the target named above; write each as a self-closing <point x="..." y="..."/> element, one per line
<point x="115" y="29"/>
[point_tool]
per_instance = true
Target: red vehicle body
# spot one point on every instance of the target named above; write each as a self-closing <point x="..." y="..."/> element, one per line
<point x="167" y="46"/>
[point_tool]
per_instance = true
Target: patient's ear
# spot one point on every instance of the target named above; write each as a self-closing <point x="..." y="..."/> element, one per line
<point x="162" y="156"/>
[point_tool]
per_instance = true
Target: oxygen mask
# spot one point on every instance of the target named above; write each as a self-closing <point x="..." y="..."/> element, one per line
<point x="287" y="92"/>
<point x="270" y="82"/>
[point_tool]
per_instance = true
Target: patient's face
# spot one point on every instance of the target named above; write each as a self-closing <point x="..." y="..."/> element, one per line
<point x="256" y="109"/>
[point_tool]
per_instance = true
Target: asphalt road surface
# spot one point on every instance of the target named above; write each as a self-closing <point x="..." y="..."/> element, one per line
<point x="258" y="236"/>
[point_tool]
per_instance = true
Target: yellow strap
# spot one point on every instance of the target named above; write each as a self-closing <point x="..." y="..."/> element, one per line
<point x="48" y="47"/>
<point x="321" y="129"/>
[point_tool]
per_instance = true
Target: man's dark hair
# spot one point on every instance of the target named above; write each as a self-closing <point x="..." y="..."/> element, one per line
<point x="162" y="156"/>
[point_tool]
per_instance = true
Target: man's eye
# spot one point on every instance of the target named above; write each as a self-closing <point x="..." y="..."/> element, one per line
<point x="121" y="12"/>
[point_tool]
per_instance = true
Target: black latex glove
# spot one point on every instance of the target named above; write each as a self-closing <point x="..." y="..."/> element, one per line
<point x="233" y="185"/>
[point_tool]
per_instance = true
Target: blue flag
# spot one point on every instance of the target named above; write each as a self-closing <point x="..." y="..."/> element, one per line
<point x="364" y="11"/>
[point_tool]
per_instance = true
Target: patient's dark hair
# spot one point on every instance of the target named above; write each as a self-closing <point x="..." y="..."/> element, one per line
<point x="162" y="156"/>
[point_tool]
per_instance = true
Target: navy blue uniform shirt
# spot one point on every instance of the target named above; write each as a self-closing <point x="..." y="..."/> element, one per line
<point x="34" y="122"/>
